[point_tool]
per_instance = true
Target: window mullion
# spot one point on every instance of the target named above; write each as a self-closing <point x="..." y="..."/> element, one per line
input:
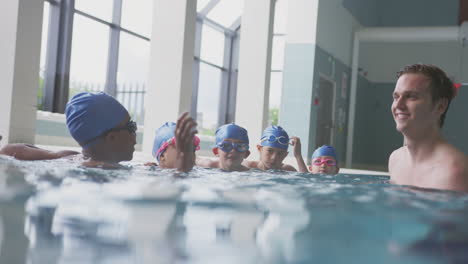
<point x="113" y="53"/>
<point x="51" y="57"/>
<point x="196" y="69"/>
<point x="225" y="77"/>
<point x="58" y="56"/>
<point x="232" y="85"/>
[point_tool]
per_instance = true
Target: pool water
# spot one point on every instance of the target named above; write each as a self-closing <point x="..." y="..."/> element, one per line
<point x="58" y="212"/>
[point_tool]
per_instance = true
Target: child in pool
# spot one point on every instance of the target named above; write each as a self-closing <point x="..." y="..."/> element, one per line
<point x="273" y="150"/>
<point x="232" y="147"/>
<point x="324" y="161"/>
<point x="165" y="147"/>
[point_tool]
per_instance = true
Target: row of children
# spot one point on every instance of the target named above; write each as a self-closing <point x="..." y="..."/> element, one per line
<point x="107" y="135"/>
<point x="232" y="149"/>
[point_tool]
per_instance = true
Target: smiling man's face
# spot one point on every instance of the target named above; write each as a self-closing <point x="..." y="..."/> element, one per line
<point x="413" y="107"/>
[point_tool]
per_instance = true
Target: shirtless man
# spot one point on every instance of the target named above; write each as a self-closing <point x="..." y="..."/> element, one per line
<point x="421" y="99"/>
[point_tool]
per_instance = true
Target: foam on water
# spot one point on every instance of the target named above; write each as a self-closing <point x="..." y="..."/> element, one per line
<point x="141" y="214"/>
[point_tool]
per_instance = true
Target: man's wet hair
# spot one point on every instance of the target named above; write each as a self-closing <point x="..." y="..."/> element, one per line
<point x="440" y="84"/>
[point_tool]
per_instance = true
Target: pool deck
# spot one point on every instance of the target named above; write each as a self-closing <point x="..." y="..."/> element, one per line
<point x="142" y="157"/>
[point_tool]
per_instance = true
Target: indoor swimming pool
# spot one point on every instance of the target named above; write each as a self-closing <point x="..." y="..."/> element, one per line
<point x="58" y="212"/>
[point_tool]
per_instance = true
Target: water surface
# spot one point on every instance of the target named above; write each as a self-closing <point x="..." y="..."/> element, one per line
<point x="58" y="212"/>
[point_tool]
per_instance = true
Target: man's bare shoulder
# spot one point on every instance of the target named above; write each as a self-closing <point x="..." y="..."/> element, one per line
<point x="456" y="167"/>
<point x="456" y="178"/>
<point x="451" y="151"/>
<point x="396" y="155"/>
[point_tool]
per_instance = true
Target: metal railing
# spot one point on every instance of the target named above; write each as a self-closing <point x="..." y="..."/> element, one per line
<point x="130" y="95"/>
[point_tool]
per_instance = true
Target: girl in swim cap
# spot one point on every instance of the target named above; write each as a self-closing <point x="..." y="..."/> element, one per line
<point x="324" y="161"/>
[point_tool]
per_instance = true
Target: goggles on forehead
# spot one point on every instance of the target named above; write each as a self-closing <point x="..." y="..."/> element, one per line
<point x="271" y="139"/>
<point x="227" y="146"/>
<point x="172" y="141"/>
<point x="320" y="161"/>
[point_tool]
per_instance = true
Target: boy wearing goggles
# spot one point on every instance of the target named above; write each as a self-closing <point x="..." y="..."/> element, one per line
<point x="273" y="150"/>
<point x="232" y="147"/>
<point x="167" y="145"/>
<point x="324" y="161"/>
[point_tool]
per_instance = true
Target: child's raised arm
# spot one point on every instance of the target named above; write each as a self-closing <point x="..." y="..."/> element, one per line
<point x="296" y="143"/>
<point x="184" y="133"/>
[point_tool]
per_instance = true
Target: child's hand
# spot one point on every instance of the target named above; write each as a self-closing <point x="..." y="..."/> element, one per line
<point x="184" y="133"/>
<point x="185" y="130"/>
<point x="296" y="143"/>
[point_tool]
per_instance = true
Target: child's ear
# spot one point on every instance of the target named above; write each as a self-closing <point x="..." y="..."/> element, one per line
<point x="215" y="151"/>
<point x="162" y="158"/>
<point x="110" y="136"/>
<point x="310" y="168"/>
<point x="259" y="147"/>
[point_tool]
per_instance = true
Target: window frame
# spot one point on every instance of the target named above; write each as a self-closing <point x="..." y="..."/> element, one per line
<point x="58" y="56"/>
<point x="58" y="51"/>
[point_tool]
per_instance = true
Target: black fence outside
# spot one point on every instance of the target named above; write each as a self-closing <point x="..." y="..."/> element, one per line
<point x="130" y="95"/>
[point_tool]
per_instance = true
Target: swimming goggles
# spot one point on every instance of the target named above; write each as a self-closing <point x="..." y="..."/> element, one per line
<point x="172" y="141"/>
<point x="130" y="126"/>
<point x="227" y="146"/>
<point x="319" y="162"/>
<point x="271" y="139"/>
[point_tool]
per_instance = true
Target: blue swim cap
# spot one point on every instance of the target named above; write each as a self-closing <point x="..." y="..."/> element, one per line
<point x="276" y="137"/>
<point x="231" y="131"/>
<point x="89" y="115"/>
<point x="163" y="134"/>
<point x="324" y="150"/>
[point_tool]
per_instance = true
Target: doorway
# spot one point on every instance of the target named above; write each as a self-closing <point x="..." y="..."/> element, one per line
<point x="325" y="113"/>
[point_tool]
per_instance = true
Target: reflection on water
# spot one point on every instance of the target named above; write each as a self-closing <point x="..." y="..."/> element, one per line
<point x="56" y="212"/>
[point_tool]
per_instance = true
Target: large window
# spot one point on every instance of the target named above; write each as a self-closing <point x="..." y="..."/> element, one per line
<point x="42" y="65"/>
<point x="210" y="75"/>
<point x="277" y="60"/>
<point x="97" y="46"/>
<point x="104" y="46"/>
<point x="101" y="9"/>
<point x="208" y="98"/>
<point x="216" y="60"/>
<point x="212" y="46"/>
<point x="131" y="76"/>
<point x="226" y="12"/>
<point x="89" y="56"/>
<point x="136" y="16"/>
